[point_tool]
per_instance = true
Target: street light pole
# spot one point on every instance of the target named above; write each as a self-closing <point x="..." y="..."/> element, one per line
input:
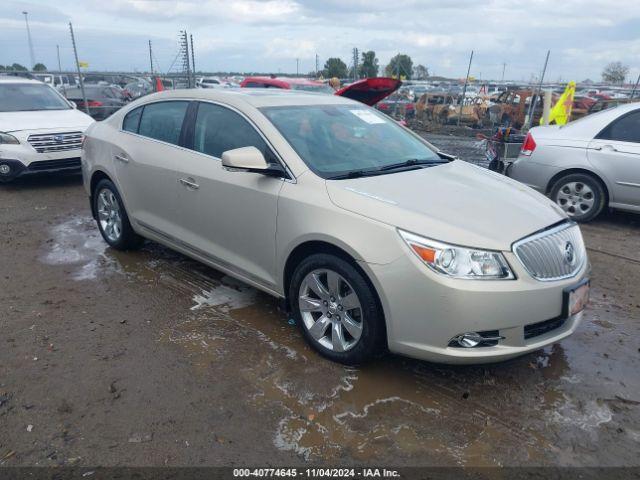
<point x="32" y="55"/>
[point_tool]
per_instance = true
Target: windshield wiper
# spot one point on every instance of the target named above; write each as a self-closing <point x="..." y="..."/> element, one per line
<point x="410" y="163"/>
<point x="354" y="174"/>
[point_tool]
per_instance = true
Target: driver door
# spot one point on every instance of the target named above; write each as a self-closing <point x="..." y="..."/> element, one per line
<point x="227" y="217"/>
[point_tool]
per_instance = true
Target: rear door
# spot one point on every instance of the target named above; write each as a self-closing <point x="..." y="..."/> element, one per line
<point x="616" y="153"/>
<point x="228" y="217"/>
<point x="145" y="163"/>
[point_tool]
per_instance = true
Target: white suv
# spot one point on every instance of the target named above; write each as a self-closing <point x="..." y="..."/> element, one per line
<point x="40" y="131"/>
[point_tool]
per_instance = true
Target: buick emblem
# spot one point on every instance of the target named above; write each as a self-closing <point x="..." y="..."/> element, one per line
<point x="569" y="254"/>
<point x="58" y="138"/>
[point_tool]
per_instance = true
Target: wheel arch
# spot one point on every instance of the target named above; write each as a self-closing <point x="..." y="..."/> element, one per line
<point x="309" y="247"/>
<point x="95" y="178"/>
<point x="583" y="171"/>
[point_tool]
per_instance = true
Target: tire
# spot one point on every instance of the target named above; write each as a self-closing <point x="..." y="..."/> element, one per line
<point x="112" y="219"/>
<point x="580" y="195"/>
<point x="363" y="335"/>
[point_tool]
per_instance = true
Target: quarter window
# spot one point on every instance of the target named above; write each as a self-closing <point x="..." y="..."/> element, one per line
<point x="218" y="129"/>
<point x="132" y="120"/>
<point x="624" y="129"/>
<point x="163" y="121"/>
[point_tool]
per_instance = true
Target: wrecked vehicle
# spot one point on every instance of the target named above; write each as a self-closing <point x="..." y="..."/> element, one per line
<point x="511" y="107"/>
<point x="445" y="109"/>
<point x="371" y="236"/>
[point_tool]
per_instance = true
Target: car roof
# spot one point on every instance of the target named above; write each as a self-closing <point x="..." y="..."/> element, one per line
<point x="282" y="81"/>
<point x="255" y="97"/>
<point x="12" y="79"/>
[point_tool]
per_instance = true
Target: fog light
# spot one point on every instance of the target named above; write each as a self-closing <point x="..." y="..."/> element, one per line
<point x="469" y="340"/>
<point x="5" y="169"/>
<point x="490" y="338"/>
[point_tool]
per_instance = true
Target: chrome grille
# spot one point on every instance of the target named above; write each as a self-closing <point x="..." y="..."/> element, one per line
<point x="55" y="142"/>
<point x="553" y="254"/>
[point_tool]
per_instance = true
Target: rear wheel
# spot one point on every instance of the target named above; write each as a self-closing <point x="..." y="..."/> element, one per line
<point x="336" y="309"/>
<point x="581" y="196"/>
<point x="112" y="218"/>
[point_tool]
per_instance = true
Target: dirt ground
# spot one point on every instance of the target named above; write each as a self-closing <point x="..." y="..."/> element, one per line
<point x="149" y="358"/>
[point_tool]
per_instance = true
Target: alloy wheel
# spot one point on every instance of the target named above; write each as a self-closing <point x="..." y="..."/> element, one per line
<point x="330" y="310"/>
<point x="575" y="198"/>
<point x="109" y="214"/>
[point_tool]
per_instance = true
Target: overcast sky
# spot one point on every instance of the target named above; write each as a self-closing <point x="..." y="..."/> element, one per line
<point x="268" y="35"/>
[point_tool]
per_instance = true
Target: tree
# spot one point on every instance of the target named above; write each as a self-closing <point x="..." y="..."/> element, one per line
<point x="402" y="63"/>
<point x="369" y="66"/>
<point x="334" y="67"/>
<point x="39" y="67"/>
<point x="16" y="67"/>
<point x="420" y="72"/>
<point x="615" y="72"/>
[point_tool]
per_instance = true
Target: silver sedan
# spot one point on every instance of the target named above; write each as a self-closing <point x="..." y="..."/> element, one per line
<point x="586" y="165"/>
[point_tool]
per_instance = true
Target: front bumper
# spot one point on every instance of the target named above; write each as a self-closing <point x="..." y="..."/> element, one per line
<point x="17" y="160"/>
<point x="11" y="169"/>
<point x="424" y="311"/>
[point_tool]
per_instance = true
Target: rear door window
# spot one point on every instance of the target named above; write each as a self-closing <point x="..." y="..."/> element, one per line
<point x="624" y="129"/>
<point x="163" y="121"/>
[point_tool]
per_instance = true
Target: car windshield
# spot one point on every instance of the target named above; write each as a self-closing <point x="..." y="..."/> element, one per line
<point x="27" y="97"/>
<point x="338" y="140"/>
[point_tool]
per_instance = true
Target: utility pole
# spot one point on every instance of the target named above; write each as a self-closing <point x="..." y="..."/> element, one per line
<point x="355" y="64"/>
<point x="536" y="93"/>
<point x="151" y="57"/>
<point x="59" y="64"/>
<point x="33" y="57"/>
<point x="464" y="89"/>
<point x="184" y="50"/>
<point x="193" y="60"/>
<point x="297" y="67"/>
<point x="635" y="88"/>
<point x="317" y="65"/>
<point x="75" y="53"/>
<point x="504" y="67"/>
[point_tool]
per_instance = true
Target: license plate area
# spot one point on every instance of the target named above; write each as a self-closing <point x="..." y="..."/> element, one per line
<point x="575" y="298"/>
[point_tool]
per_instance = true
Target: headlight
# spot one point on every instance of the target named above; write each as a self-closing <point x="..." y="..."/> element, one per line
<point x="458" y="262"/>
<point x="5" y="138"/>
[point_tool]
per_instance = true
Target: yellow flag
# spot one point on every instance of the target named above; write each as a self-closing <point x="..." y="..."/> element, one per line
<point x="561" y="111"/>
<point x="84" y="64"/>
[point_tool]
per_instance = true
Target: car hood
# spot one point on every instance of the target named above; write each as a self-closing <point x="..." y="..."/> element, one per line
<point x="456" y="203"/>
<point x="43" y="120"/>
<point x="370" y="90"/>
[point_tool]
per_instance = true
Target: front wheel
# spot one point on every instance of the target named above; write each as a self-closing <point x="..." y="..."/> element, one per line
<point x="112" y="218"/>
<point x="581" y="196"/>
<point x="337" y="309"/>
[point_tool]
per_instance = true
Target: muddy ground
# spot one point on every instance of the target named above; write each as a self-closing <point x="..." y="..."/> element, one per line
<point x="149" y="358"/>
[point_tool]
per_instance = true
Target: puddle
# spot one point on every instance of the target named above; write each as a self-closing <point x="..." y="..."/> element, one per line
<point x="531" y="410"/>
<point x="77" y="243"/>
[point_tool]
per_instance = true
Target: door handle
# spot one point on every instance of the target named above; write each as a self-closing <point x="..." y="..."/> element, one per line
<point x="122" y="158"/>
<point x="607" y="147"/>
<point x="189" y="183"/>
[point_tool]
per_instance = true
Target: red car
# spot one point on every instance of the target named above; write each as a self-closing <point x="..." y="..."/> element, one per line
<point x="368" y="91"/>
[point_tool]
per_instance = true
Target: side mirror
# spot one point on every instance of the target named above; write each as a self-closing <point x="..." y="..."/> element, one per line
<point x="250" y="159"/>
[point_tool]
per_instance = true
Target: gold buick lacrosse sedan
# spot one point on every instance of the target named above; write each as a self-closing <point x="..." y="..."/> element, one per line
<point x="375" y="239"/>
